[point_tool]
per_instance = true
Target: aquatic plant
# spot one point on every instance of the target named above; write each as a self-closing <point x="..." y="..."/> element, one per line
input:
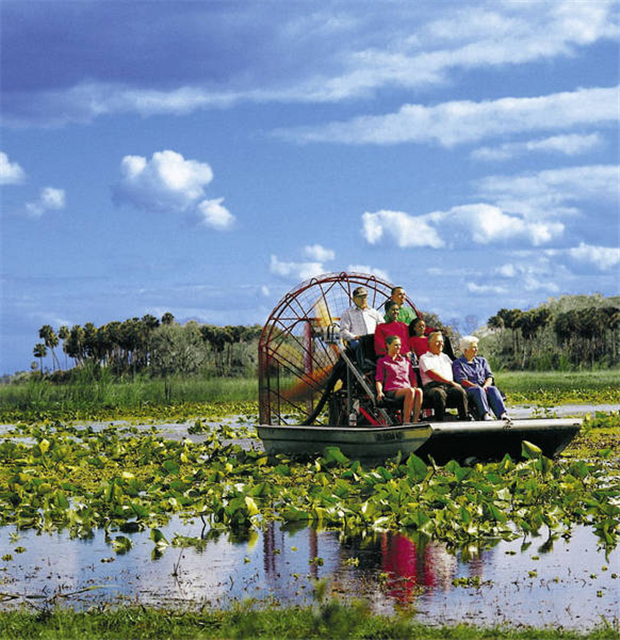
<point x="61" y="477"/>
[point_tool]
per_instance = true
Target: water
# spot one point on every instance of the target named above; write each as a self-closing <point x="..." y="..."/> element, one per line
<point x="571" y="584"/>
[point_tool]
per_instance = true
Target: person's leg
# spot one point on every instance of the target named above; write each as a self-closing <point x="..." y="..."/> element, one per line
<point x="417" y="403"/>
<point x="406" y="393"/>
<point x="436" y="396"/>
<point x="496" y="401"/>
<point x="478" y="396"/>
<point x="458" y="396"/>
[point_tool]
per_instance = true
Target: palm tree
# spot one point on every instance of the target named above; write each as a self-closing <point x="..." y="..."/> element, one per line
<point x="63" y="334"/>
<point x="50" y="339"/>
<point x="40" y="351"/>
<point x="74" y="346"/>
<point x="167" y="318"/>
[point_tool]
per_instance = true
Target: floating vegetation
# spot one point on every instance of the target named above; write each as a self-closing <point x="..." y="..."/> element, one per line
<point x="59" y="477"/>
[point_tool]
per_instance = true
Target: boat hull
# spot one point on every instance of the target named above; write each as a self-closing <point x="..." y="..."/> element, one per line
<point x="492" y="440"/>
<point x="354" y="442"/>
<point x="443" y="441"/>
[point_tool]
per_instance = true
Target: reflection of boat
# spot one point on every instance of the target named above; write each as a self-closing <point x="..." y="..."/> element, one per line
<point x="307" y="375"/>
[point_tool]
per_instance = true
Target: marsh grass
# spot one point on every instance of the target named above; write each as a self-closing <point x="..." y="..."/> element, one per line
<point x="561" y="387"/>
<point x="97" y="395"/>
<point x="329" y="620"/>
<point x="105" y="397"/>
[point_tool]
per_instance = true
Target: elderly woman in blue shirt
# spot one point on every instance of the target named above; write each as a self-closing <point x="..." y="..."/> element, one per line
<point x="474" y="374"/>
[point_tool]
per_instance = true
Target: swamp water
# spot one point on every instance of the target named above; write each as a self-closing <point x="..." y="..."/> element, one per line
<point x="567" y="581"/>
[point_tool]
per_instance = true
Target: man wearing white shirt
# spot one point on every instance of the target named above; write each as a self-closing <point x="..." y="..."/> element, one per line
<point x="359" y="320"/>
<point x="438" y="381"/>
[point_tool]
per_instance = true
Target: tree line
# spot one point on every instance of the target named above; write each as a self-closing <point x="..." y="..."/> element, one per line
<point x="160" y="347"/>
<point x="563" y="333"/>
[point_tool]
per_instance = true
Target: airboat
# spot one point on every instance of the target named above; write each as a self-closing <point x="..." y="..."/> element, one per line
<point x="314" y="393"/>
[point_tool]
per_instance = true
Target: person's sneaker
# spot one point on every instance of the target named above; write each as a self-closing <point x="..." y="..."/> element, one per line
<point x="487" y="417"/>
<point x="504" y="416"/>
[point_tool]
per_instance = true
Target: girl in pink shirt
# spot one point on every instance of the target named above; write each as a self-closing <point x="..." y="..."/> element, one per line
<point x="395" y="378"/>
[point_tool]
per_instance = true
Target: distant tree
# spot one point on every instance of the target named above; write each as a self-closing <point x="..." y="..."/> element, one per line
<point x="167" y="318"/>
<point x="50" y="339"/>
<point x="496" y="323"/>
<point x="40" y="351"/>
<point x="63" y="334"/>
<point x="74" y="345"/>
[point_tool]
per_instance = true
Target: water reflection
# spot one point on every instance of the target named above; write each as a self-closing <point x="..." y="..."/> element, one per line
<point x="538" y="583"/>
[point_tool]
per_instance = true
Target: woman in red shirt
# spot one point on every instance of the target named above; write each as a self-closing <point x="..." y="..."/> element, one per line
<point x="395" y="378"/>
<point x="418" y="343"/>
<point x="390" y="328"/>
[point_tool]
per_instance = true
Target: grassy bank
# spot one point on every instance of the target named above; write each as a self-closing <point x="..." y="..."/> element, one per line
<point x="331" y="620"/>
<point x="561" y="387"/>
<point x="103" y="398"/>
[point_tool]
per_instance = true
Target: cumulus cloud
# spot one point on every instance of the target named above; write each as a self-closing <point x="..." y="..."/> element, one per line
<point x="214" y="214"/>
<point x="10" y="172"/>
<point x="405" y="230"/>
<point x="507" y="270"/>
<point x="570" y="145"/>
<point x="170" y="183"/>
<point x="551" y="192"/>
<point x="297" y="270"/>
<point x="465" y="121"/>
<point x="535" y="273"/>
<point x="481" y="224"/>
<point x="50" y="199"/>
<point x="319" y="253"/>
<point x="364" y="268"/>
<point x="603" y="258"/>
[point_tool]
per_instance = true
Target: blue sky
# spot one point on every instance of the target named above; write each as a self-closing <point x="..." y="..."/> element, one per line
<point x="203" y="158"/>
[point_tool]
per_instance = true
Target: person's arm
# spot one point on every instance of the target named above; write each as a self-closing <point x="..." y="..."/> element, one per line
<point x="488" y="374"/>
<point x="346" y="325"/>
<point x="412" y="376"/>
<point x="460" y="377"/>
<point x="380" y="348"/>
<point x="433" y="374"/>
<point x="379" y="381"/>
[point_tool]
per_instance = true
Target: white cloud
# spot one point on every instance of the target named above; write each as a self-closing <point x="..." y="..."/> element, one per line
<point x="602" y="258"/>
<point x="170" y="183"/>
<point x="167" y="182"/>
<point x="570" y="145"/>
<point x="297" y="270"/>
<point x="319" y="253"/>
<point x="364" y="268"/>
<point x="536" y="273"/>
<point x="507" y="270"/>
<point x="485" y="289"/>
<point x="481" y="224"/>
<point x="533" y="283"/>
<point x="214" y="214"/>
<point x="50" y="199"/>
<point x="405" y="230"/>
<point x="547" y="193"/>
<point x="459" y="122"/>
<point x="10" y="172"/>
<point x="385" y="45"/>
